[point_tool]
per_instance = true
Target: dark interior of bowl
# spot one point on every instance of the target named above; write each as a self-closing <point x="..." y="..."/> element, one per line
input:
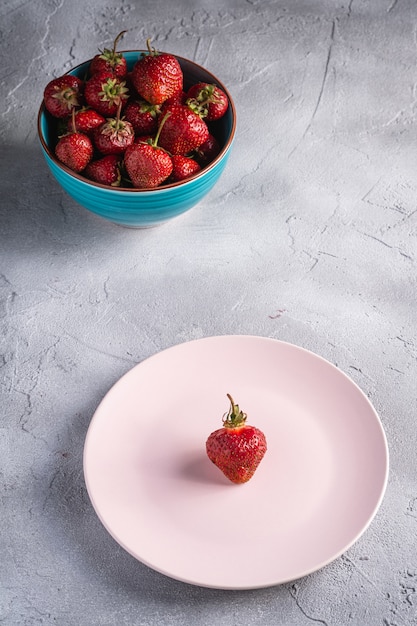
<point x="193" y="73"/>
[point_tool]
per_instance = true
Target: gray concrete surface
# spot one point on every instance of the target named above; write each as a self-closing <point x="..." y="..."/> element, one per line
<point x="310" y="237"/>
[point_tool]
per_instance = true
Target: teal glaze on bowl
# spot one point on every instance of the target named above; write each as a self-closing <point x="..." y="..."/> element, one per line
<point x="142" y="208"/>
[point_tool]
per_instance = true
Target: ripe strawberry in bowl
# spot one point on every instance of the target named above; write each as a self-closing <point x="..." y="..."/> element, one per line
<point x="209" y="101"/>
<point x="107" y="187"/>
<point x="114" y="136"/>
<point x="62" y="94"/>
<point x="157" y="76"/>
<point x="104" y="92"/>
<point x="110" y="59"/>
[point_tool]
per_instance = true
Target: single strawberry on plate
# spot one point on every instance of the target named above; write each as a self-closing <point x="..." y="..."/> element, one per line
<point x="157" y="76"/>
<point x="146" y="164"/>
<point x="209" y="101"/>
<point x="104" y="92"/>
<point x="74" y="149"/>
<point x="110" y="59"/>
<point x="114" y="135"/>
<point x="237" y="448"/>
<point x="105" y="170"/>
<point x="183" y="131"/>
<point x="63" y="94"/>
<point x="183" y="167"/>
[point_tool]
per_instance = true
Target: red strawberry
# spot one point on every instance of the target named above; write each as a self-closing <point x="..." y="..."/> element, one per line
<point x="114" y="136"/>
<point x="104" y="92"/>
<point x="86" y="120"/>
<point x="129" y="85"/>
<point x="62" y="94"/>
<point x="183" y="131"/>
<point x="110" y="60"/>
<point x="207" y="151"/>
<point x="144" y="139"/>
<point x="178" y="98"/>
<point x="105" y="170"/>
<point x="183" y="167"/>
<point x="146" y="164"/>
<point x="74" y="149"/>
<point x="237" y="448"/>
<point x="209" y="101"/>
<point x="157" y="76"/>
<point x="143" y="116"/>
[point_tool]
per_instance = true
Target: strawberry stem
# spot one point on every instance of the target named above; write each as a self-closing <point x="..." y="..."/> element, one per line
<point x="119" y="110"/>
<point x="116" y="41"/>
<point x="74" y="128"/>
<point x="235" y="418"/>
<point x="150" y="49"/>
<point x="166" y="116"/>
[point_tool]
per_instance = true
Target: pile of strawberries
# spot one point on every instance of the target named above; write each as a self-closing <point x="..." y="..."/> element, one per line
<point x="134" y="129"/>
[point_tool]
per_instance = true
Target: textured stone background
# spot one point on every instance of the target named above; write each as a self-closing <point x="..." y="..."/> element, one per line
<point x="309" y="237"/>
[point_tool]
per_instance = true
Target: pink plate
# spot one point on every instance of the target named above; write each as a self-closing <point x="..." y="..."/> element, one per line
<point x="315" y="492"/>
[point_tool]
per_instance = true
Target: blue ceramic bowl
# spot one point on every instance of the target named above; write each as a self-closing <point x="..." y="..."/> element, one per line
<point x="142" y="208"/>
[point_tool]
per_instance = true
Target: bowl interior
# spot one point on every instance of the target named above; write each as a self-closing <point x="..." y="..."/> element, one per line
<point x="223" y="129"/>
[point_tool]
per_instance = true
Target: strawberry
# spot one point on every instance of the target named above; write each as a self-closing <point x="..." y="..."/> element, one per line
<point x="86" y="120"/>
<point x="104" y="92"/>
<point x="237" y="448"/>
<point x="74" y="149"/>
<point x="207" y="151"/>
<point x="129" y="85"/>
<point x="146" y="163"/>
<point x="110" y="60"/>
<point x="183" y="167"/>
<point x="143" y="116"/>
<point x="157" y="76"/>
<point x="114" y="136"/>
<point x="105" y="170"/>
<point x="178" y="98"/>
<point x="144" y="139"/>
<point x="209" y="101"/>
<point x="183" y="131"/>
<point x="62" y="94"/>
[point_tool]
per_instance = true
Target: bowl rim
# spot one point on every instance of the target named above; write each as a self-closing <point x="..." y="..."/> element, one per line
<point x="78" y="176"/>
